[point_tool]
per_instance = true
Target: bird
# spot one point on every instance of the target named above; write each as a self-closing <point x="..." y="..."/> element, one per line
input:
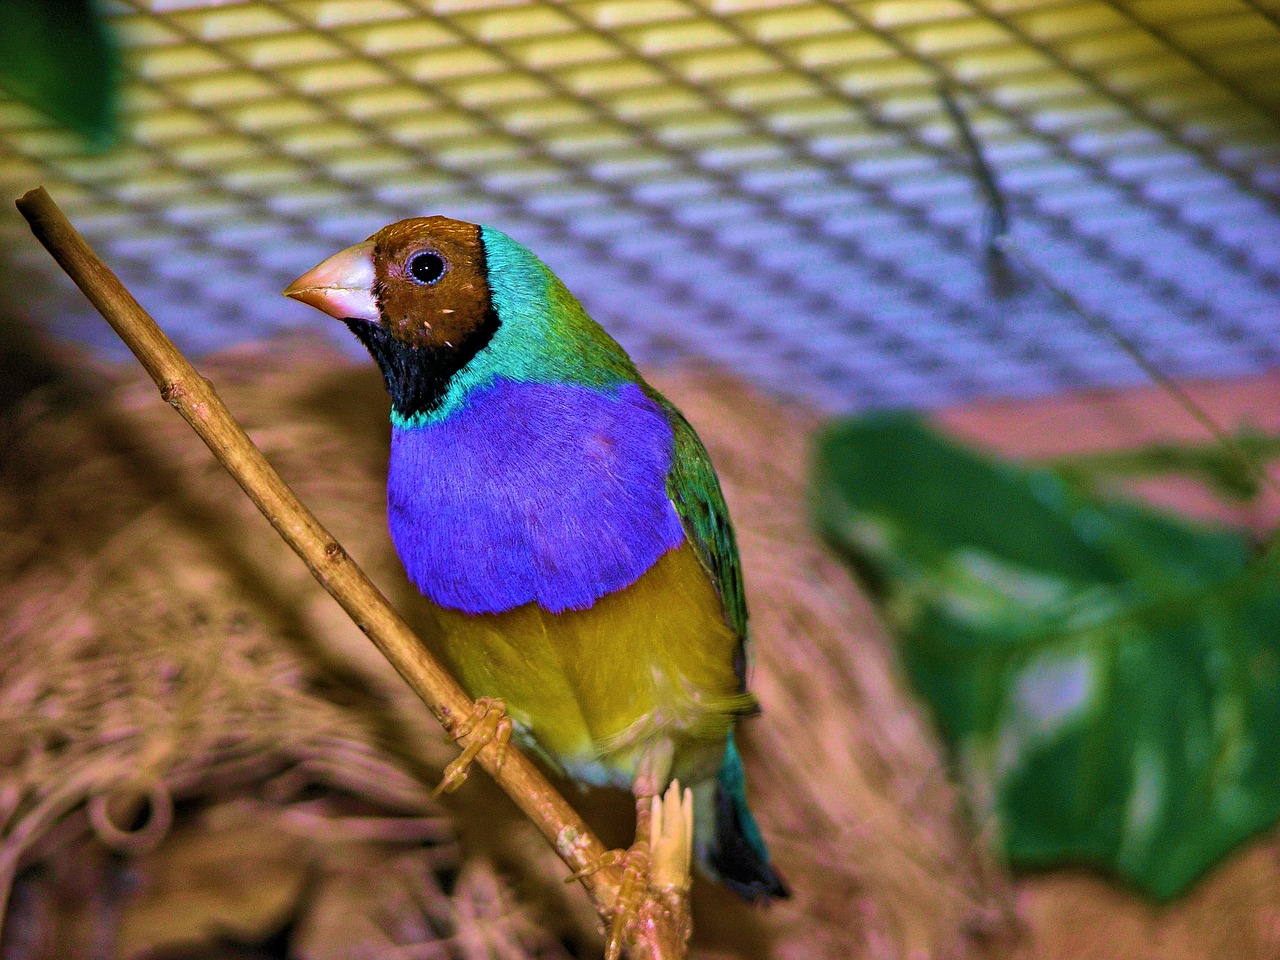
<point x="565" y="523"/>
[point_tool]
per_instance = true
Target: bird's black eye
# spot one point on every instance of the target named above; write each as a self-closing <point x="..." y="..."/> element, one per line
<point x="427" y="267"/>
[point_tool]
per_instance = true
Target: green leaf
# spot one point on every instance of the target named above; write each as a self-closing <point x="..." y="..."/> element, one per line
<point x="58" y="56"/>
<point x="1106" y="676"/>
<point x="1230" y="470"/>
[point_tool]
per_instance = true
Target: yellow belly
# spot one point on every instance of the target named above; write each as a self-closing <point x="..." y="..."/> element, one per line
<point x="592" y="688"/>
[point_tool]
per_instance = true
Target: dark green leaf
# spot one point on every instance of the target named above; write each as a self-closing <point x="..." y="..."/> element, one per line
<point x="1107" y="676"/>
<point x="58" y="56"/>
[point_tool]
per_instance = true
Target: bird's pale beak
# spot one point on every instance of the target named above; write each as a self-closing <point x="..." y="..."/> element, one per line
<point x="341" y="286"/>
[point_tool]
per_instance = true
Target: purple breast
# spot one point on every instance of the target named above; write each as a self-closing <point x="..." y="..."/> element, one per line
<point x="547" y="493"/>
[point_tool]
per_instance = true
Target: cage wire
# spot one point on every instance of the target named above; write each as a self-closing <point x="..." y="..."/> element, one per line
<point x="789" y="189"/>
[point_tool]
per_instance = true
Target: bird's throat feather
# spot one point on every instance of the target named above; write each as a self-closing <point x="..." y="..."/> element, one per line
<point x="418" y="377"/>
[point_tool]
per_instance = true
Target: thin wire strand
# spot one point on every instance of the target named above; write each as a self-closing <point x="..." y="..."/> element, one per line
<point x="1135" y="353"/>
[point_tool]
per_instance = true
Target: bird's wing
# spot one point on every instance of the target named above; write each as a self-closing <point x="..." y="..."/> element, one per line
<point x="695" y="492"/>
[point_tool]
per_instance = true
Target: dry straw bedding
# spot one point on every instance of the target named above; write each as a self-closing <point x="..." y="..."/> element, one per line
<point x="200" y="753"/>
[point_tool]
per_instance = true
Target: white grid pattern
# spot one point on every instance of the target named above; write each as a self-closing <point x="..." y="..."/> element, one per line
<point x="777" y="186"/>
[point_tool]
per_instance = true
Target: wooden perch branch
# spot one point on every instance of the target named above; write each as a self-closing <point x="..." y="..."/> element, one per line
<point x="195" y="398"/>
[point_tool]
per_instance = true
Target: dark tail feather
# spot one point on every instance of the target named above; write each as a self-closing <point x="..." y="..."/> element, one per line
<point x="735" y="854"/>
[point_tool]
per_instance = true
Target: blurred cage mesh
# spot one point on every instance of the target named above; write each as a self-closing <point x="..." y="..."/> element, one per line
<point x="780" y="187"/>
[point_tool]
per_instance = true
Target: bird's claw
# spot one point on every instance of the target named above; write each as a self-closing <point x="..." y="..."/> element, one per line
<point x="488" y="723"/>
<point x="610" y="858"/>
<point x="659" y="861"/>
<point x="635" y="877"/>
<point x="671" y="839"/>
<point x="635" y="880"/>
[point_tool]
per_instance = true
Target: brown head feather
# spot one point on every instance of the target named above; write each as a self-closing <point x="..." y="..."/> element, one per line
<point x="442" y="315"/>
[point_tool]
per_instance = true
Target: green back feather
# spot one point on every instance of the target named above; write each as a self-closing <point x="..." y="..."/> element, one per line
<point x="695" y="492"/>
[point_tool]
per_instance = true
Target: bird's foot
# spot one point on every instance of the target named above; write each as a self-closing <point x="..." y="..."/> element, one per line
<point x="610" y="858"/>
<point x="657" y="864"/>
<point x="635" y="873"/>
<point x="635" y="880"/>
<point x="488" y="723"/>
